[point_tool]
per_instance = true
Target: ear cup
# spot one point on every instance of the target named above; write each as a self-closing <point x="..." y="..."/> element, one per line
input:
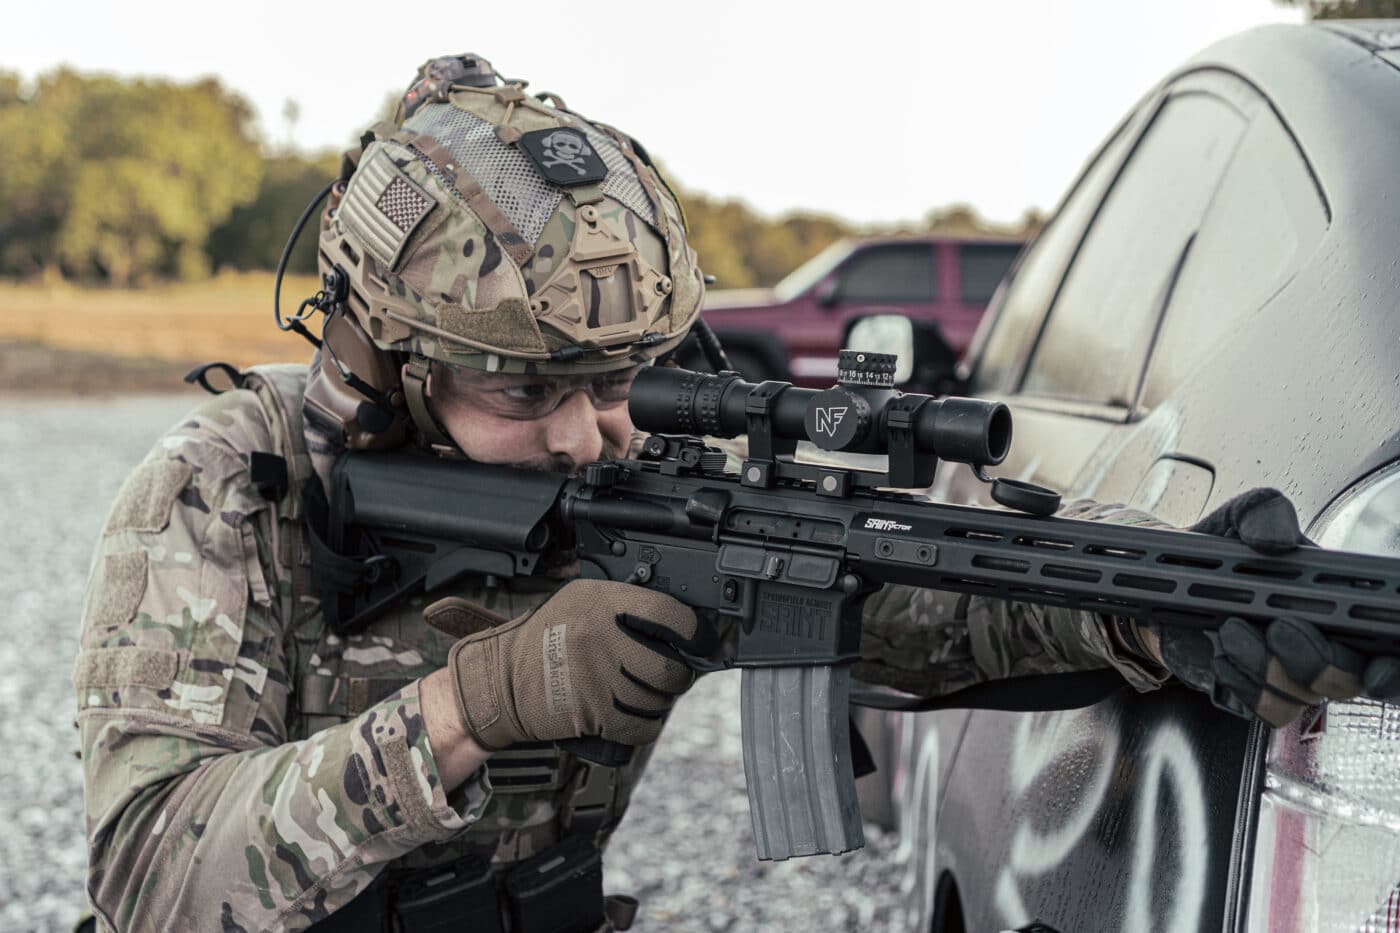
<point x="368" y="423"/>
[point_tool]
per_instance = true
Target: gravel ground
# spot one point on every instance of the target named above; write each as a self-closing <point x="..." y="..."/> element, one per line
<point x="61" y="464"/>
<point x="686" y="848"/>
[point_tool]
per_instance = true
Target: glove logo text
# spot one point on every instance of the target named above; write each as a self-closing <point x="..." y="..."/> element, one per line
<point x="556" y="670"/>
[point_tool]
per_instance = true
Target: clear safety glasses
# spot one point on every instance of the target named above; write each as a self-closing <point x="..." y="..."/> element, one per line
<point x="523" y="397"/>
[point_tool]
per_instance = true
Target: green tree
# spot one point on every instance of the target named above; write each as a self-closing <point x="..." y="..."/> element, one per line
<point x="120" y="179"/>
<point x="717" y="232"/>
<point x="254" y="234"/>
<point x="1347" y="9"/>
<point x="33" y="185"/>
<point x="1031" y="222"/>
<point x="778" y="246"/>
<point x="955" y="220"/>
<point x="742" y="248"/>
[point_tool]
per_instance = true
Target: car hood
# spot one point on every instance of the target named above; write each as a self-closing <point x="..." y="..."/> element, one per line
<point x="740" y="298"/>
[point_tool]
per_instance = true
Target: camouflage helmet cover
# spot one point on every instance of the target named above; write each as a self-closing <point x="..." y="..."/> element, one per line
<point x="436" y="77"/>
<point x="458" y="247"/>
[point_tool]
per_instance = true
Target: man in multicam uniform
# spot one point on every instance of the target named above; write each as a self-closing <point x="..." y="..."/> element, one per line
<point x="245" y="767"/>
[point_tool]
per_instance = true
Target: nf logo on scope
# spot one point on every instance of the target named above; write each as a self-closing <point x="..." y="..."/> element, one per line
<point x="829" y="419"/>
<point x="886" y="524"/>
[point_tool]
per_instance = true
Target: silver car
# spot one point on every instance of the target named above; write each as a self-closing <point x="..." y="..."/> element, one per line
<point x="1215" y="306"/>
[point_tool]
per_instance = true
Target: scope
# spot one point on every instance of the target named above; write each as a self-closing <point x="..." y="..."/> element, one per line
<point x="854" y="416"/>
<point x="862" y="413"/>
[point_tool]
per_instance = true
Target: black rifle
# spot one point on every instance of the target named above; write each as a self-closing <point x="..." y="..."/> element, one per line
<point x="790" y="550"/>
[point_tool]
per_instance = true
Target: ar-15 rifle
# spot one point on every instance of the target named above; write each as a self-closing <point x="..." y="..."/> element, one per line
<point x="790" y="550"/>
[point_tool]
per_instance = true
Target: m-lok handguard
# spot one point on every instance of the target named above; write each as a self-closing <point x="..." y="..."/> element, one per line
<point x="790" y="551"/>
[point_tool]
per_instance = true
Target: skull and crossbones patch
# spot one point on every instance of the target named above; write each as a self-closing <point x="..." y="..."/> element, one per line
<point x="564" y="156"/>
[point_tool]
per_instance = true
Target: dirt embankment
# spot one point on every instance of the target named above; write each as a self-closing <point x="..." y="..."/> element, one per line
<point x="61" y="339"/>
<point x="32" y="368"/>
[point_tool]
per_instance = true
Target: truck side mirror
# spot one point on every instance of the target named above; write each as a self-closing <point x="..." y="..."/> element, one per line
<point x="927" y="363"/>
<point x="886" y="333"/>
<point x="935" y="363"/>
<point x="827" y="292"/>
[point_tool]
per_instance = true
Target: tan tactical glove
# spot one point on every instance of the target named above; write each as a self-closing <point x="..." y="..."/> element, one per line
<point x="598" y="658"/>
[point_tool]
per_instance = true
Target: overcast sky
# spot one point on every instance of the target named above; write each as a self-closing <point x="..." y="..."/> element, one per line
<point x="875" y="111"/>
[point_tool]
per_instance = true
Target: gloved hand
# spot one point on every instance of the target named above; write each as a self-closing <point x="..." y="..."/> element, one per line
<point x="1277" y="672"/>
<point x="598" y="658"/>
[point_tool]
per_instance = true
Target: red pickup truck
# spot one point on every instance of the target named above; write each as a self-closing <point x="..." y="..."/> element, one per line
<point x="794" y="330"/>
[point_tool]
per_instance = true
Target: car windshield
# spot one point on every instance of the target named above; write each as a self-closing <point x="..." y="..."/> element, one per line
<point x="812" y="271"/>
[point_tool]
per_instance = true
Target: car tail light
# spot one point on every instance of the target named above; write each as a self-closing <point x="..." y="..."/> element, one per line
<point x="1327" y="847"/>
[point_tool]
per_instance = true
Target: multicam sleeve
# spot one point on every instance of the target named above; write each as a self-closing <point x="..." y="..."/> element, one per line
<point x="931" y="643"/>
<point x="199" y="814"/>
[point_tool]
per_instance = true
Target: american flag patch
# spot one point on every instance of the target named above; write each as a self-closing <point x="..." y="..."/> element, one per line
<point x="402" y="205"/>
<point x="382" y="207"/>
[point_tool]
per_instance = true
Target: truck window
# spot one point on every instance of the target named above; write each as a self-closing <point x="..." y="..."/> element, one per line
<point x="1095" y="342"/>
<point x="981" y="267"/>
<point x="894" y="273"/>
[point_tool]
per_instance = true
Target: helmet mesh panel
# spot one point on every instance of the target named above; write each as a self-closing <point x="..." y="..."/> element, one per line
<point x="621" y="183"/>
<point x="507" y="175"/>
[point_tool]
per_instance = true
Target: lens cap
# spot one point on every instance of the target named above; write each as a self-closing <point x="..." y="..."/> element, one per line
<point x="1025" y="497"/>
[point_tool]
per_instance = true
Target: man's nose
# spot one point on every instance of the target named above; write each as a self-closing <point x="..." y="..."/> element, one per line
<point x="574" y="431"/>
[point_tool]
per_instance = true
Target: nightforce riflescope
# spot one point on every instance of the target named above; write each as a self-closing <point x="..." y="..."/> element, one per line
<point x="862" y="413"/>
<point x="787" y="552"/>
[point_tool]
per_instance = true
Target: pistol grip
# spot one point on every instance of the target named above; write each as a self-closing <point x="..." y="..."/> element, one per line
<point x="797" y="760"/>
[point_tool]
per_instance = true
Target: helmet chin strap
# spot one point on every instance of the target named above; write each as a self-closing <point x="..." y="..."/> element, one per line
<point x="416" y="373"/>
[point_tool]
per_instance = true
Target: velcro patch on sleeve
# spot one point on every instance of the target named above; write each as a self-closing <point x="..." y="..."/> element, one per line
<point x="412" y="793"/>
<point x="123" y="585"/>
<point x="382" y="207"/>
<point x="146" y="499"/>
<point x="129" y="666"/>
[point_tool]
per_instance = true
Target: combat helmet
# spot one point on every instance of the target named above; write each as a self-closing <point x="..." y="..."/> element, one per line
<point x="488" y="228"/>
